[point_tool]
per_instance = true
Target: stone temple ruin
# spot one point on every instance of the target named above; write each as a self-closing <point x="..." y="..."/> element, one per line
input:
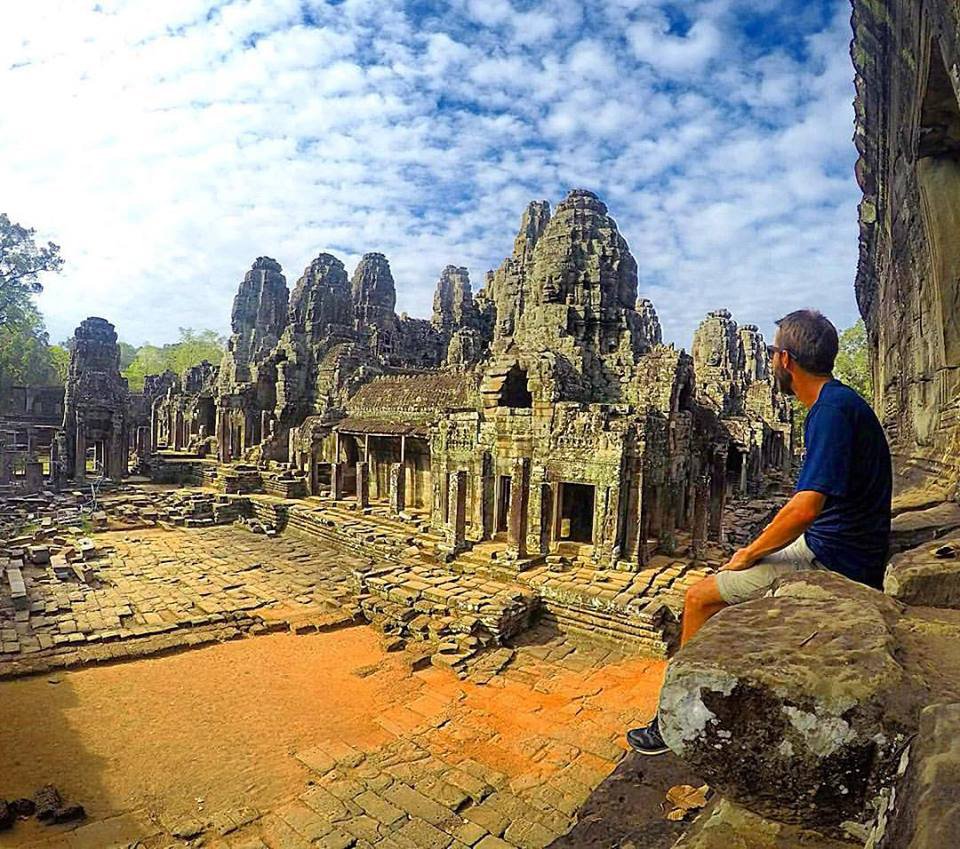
<point x="537" y="427"/>
<point x="544" y="410"/>
<point x="520" y="488"/>
<point x="530" y="462"/>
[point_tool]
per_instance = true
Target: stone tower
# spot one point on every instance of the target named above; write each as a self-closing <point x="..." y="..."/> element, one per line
<point x="95" y="402"/>
<point x="258" y="317"/>
<point x="321" y="300"/>
<point x="374" y="293"/>
<point x="506" y="288"/>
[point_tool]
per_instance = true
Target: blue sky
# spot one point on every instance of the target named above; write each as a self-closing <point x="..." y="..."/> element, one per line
<point x="165" y="146"/>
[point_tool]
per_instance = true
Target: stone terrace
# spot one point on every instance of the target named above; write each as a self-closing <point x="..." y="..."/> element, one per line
<point x="154" y="589"/>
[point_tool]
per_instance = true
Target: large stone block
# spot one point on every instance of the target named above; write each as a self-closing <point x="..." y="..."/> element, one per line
<point x="928" y="575"/>
<point x="795" y="705"/>
<point x="924" y="810"/>
<point x="915" y="527"/>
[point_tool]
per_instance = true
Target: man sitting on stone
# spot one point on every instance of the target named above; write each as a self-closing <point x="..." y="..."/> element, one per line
<point x="839" y="515"/>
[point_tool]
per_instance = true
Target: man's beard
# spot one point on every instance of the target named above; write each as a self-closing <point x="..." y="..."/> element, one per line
<point x="784" y="380"/>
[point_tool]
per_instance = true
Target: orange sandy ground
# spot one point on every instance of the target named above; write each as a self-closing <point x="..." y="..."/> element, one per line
<point x="216" y="727"/>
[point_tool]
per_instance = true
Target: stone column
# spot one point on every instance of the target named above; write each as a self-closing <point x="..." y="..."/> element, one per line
<point x="519" y="504"/>
<point x="743" y="473"/>
<point x="6" y="466"/>
<point x="643" y="534"/>
<point x="264" y="425"/>
<point x="457" y="512"/>
<point x="397" y="488"/>
<point x="116" y="450"/>
<point x="336" y="481"/>
<point x="718" y="496"/>
<point x="488" y="498"/>
<point x="363" y="484"/>
<point x="80" y="458"/>
<point x="33" y="475"/>
<point x="546" y="516"/>
<point x="223" y="448"/>
<point x="700" y="513"/>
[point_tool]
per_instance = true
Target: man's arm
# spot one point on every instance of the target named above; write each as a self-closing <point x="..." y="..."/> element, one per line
<point x="798" y="514"/>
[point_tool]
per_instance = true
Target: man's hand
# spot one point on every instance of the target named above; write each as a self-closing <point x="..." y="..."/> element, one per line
<point x="741" y="559"/>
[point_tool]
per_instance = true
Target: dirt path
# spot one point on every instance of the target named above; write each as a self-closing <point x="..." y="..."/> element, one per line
<point x="217" y="724"/>
<point x="216" y="728"/>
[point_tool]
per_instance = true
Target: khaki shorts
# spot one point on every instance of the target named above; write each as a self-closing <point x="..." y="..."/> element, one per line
<point x="738" y="587"/>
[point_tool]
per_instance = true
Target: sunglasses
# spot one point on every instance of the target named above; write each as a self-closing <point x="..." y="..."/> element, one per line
<point x="773" y="349"/>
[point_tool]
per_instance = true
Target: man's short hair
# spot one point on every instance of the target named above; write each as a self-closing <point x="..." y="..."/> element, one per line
<point x="811" y="339"/>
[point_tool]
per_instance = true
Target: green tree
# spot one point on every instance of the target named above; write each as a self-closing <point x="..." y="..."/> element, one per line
<point x="128" y="354"/>
<point x="194" y="347"/>
<point x="21" y="264"/>
<point x="853" y="361"/>
<point x="60" y="361"/>
<point x="25" y="351"/>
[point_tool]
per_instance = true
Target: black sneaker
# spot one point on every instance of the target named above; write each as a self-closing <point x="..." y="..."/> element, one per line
<point x="647" y="740"/>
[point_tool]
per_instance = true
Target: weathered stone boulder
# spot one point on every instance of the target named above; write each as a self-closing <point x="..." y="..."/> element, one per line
<point x="924" y="809"/>
<point x="928" y="575"/>
<point x="795" y="705"/>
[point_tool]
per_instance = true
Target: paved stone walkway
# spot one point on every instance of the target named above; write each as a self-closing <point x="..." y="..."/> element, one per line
<point x="504" y="765"/>
<point x="161" y="588"/>
<point x="500" y="756"/>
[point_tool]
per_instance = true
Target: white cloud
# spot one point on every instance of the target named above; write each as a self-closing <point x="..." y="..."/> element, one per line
<point x="167" y="145"/>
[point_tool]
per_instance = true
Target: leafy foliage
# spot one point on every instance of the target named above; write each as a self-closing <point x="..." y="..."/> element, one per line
<point x="25" y="353"/>
<point x="194" y="347"/>
<point x="853" y="361"/>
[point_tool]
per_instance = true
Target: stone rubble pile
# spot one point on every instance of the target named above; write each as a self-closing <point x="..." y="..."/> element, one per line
<point x="460" y="615"/>
<point x="47" y="805"/>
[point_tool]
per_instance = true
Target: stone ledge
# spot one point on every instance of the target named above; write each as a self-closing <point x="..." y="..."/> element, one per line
<point x="928" y="575"/>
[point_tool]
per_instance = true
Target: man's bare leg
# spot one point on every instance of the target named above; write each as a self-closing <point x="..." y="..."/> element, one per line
<point x="700" y="603"/>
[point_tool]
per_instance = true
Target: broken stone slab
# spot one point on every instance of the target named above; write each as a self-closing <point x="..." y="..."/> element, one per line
<point x="916" y="527"/>
<point x="795" y="705"/>
<point x="928" y="575"/>
<point x="922" y="811"/>
<point x="725" y="825"/>
<point x="38" y="554"/>
<point x="18" y="589"/>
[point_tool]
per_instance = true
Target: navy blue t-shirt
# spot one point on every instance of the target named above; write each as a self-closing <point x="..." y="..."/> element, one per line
<point x="848" y="460"/>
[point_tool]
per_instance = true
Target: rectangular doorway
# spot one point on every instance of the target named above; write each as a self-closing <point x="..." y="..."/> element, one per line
<point x="576" y="512"/>
<point x="503" y="503"/>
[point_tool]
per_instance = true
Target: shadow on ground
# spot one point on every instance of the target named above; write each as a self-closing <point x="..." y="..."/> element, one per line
<point x="625" y="810"/>
<point x="39" y="746"/>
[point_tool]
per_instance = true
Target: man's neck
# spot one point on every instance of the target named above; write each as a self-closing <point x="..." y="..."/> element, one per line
<point x="808" y="386"/>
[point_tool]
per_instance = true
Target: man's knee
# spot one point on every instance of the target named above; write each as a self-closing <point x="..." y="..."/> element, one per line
<point x="702" y="594"/>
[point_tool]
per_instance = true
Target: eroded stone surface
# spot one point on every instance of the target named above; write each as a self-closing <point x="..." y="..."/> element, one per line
<point x="795" y="705"/>
<point x="907" y="60"/>
<point x="928" y="575"/>
<point x="923" y="809"/>
<point x="726" y="825"/>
